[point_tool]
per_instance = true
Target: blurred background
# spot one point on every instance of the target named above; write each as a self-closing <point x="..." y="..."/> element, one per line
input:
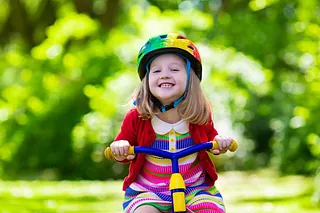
<point x="68" y="69"/>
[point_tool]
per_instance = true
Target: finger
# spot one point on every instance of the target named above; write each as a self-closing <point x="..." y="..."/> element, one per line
<point x="112" y="147"/>
<point x="224" y="144"/>
<point x="115" y="148"/>
<point x="223" y="151"/>
<point x="125" y="149"/>
<point x="227" y="143"/>
<point x="117" y="151"/>
<point x="220" y="144"/>
<point x="218" y="137"/>
<point x="125" y="146"/>
<point x="121" y="149"/>
<point x="220" y="141"/>
<point x="131" y="157"/>
<point x="215" y="151"/>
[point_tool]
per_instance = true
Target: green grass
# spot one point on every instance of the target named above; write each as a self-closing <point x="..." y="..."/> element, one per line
<point x="257" y="192"/>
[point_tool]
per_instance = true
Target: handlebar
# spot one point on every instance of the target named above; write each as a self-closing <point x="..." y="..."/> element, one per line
<point x="165" y="154"/>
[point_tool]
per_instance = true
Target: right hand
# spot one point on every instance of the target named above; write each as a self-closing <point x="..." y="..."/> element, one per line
<point x="120" y="150"/>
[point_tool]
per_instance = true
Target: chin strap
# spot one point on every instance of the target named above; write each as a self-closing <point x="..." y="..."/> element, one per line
<point x="164" y="108"/>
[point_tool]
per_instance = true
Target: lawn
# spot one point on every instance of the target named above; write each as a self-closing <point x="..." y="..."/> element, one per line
<point x="251" y="192"/>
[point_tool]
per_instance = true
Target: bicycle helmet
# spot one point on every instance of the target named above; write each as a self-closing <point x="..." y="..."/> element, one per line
<point x="175" y="44"/>
<point x="169" y="43"/>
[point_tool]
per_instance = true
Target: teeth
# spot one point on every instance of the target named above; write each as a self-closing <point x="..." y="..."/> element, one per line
<point x="166" y="85"/>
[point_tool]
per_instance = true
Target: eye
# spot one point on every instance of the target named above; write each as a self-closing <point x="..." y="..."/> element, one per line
<point x="156" y="71"/>
<point x="175" y="69"/>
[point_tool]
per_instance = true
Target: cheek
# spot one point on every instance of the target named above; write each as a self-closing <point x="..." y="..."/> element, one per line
<point x="183" y="81"/>
<point x="152" y="84"/>
<point x="183" y="85"/>
<point x="152" y="80"/>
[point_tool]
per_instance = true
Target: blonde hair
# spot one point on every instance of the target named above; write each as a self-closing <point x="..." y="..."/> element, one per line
<point x="195" y="108"/>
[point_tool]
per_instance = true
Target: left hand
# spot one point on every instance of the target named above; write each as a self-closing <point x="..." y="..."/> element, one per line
<point x="224" y="143"/>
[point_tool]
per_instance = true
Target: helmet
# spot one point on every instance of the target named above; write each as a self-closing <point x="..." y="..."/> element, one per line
<point x="169" y="43"/>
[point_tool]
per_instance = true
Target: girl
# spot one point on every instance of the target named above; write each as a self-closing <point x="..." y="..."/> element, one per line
<point x="171" y="113"/>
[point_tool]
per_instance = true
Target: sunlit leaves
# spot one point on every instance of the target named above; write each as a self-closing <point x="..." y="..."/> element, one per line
<point x="51" y="82"/>
<point x="32" y="7"/>
<point x="153" y="21"/>
<point x="260" y="4"/>
<point x="302" y="112"/>
<point x="313" y="140"/>
<point x="4" y="114"/>
<point x="95" y="128"/>
<point x="15" y="59"/>
<point x="15" y="95"/>
<point x="72" y="61"/>
<point x="26" y="75"/>
<point x="106" y="102"/>
<point x="74" y="26"/>
<point x="123" y="45"/>
<point x="235" y="64"/>
<point x="35" y="105"/>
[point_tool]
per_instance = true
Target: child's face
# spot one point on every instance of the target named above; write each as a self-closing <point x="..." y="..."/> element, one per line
<point x="167" y="78"/>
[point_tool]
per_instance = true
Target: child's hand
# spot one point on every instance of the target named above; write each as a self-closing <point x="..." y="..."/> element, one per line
<point x="224" y="144"/>
<point x="120" y="150"/>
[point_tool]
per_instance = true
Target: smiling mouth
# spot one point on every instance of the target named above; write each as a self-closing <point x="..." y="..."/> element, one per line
<point x="166" y="85"/>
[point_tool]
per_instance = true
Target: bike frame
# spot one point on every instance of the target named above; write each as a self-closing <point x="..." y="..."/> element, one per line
<point x="177" y="184"/>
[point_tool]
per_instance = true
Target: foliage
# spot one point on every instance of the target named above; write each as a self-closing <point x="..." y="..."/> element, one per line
<point x="288" y="131"/>
<point x="68" y="67"/>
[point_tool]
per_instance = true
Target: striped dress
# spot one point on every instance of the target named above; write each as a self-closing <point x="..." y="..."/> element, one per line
<point x="151" y="187"/>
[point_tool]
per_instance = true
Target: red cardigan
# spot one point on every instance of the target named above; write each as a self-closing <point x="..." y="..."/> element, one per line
<point x="139" y="132"/>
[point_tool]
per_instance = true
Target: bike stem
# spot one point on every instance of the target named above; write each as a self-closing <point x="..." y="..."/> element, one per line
<point x="177" y="188"/>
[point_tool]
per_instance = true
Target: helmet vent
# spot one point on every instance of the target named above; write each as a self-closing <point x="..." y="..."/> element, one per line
<point x="191" y="47"/>
<point x="181" y="37"/>
<point x="163" y="36"/>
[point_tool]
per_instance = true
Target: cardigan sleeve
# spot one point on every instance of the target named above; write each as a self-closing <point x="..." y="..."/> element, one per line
<point x="128" y="128"/>
<point x="210" y="130"/>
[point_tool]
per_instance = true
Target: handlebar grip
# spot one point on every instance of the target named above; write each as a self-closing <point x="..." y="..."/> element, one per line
<point x="233" y="146"/>
<point x="109" y="155"/>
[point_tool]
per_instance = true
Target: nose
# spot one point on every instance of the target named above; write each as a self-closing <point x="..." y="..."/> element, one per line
<point x="165" y="74"/>
<point x="165" y="77"/>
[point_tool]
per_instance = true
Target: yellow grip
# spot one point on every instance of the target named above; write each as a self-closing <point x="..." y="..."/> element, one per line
<point x="109" y="155"/>
<point x="233" y="147"/>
